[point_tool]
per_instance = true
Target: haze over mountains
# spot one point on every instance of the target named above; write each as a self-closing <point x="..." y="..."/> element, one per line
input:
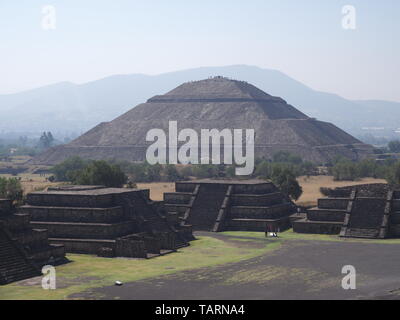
<point x="66" y="108"/>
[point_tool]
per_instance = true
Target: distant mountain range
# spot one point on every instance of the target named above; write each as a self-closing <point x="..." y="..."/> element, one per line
<point x="66" y="108"/>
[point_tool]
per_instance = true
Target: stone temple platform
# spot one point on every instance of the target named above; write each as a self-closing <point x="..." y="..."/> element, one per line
<point x="108" y="222"/>
<point x="23" y="249"/>
<point x="363" y="211"/>
<point x="222" y="205"/>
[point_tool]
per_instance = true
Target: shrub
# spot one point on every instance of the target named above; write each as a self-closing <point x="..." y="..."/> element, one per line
<point x="11" y="189"/>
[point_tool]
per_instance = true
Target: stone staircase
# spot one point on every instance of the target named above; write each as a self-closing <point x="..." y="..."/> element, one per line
<point x="367" y="217"/>
<point x="14" y="265"/>
<point x="206" y="207"/>
<point x="23" y="248"/>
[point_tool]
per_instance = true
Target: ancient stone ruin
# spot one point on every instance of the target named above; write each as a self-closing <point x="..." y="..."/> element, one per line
<point x="108" y="222"/>
<point x="23" y="249"/>
<point x="221" y="205"/>
<point x="363" y="211"/>
<point x="216" y="103"/>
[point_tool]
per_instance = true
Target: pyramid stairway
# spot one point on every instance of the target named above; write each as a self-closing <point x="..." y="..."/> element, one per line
<point x="206" y="207"/>
<point x="14" y="265"/>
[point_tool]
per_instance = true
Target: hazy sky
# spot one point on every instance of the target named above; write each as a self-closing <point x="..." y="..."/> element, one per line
<point x="302" y="38"/>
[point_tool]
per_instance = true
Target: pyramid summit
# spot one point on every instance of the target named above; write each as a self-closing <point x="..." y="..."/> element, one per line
<point x="214" y="103"/>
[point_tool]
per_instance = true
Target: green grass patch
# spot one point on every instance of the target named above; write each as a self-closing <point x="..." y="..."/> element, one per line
<point x="87" y="272"/>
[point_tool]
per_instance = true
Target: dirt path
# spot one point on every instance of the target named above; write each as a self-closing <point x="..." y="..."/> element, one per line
<point x="298" y="270"/>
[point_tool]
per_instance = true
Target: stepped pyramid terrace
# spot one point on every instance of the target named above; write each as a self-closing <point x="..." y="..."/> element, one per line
<point x="215" y="103"/>
<point x="23" y="249"/>
<point x="221" y="205"/>
<point x="108" y="222"/>
<point x="363" y="211"/>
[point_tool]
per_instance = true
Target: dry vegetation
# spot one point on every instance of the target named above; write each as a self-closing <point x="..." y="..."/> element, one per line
<point x="32" y="182"/>
<point x="157" y="189"/>
<point x="312" y="185"/>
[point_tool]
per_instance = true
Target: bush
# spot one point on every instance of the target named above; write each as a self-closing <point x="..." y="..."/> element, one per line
<point x="101" y="173"/>
<point x="345" y="170"/>
<point x="11" y="189"/>
<point x="394" y="146"/>
<point x="203" y="171"/>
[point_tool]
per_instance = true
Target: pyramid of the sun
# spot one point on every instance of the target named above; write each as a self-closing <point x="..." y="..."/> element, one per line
<point x="214" y="103"/>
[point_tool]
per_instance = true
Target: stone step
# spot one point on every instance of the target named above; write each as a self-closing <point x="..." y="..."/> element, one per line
<point x="86" y="230"/>
<point x="177" y="197"/>
<point x="318" y="214"/>
<point x="17" y="222"/>
<point x="395" y="217"/>
<point x="9" y="278"/>
<point x="394" y="230"/>
<point x="260" y="225"/>
<point x="362" y="233"/>
<point x="396" y="205"/>
<point x="178" y="208"/>
<point x="316" y="227"/>
<point x="255" y="212"/>
<point x="33" y="237"/>
<point x="185" y="187"/>
<point x="86" y="246"/>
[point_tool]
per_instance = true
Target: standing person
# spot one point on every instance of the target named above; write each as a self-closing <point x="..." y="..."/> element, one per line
<point x="266" y="230"/>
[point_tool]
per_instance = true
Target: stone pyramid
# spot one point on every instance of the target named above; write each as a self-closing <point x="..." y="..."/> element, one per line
<point x="214" y="103"/>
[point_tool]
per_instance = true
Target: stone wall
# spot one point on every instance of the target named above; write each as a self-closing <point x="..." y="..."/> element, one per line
<point x="333" y="203"/>
<point x="272" y="212"/>
<point x="93" y="215"/>
<point x="326" y="215"/>
<point x="256" y="200"/>
<point x="317" y="227"/>
<point x="86" y="230"/>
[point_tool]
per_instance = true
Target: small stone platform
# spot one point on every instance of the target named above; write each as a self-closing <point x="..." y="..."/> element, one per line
<point x="108" y="222"/>
<point x="222" y="205"/>
<point x="361" y="211"/>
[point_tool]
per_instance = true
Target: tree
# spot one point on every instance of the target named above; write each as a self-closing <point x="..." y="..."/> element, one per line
<point x="345" y="170"/>
<point x="101" y="173"/>
<point x="205" y="171"/>
<point x="153" y="172"/>
<point x="285" y="179"/>
<point x="394" y="146"/>
<point x="393" y="176"/>
<point x="171" y="173"/>
<point x="46" y="140"/>
<point x="68" y="170"/>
